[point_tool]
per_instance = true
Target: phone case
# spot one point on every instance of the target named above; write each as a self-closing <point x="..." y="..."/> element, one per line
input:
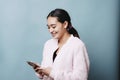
<point x="33" y="64"/>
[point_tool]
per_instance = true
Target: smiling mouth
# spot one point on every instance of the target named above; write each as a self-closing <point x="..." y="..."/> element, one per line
<point x="53" y="34"/>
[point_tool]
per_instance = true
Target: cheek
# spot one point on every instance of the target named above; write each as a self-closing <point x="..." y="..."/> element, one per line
<point x="61" y="32"/>
<point x="57" y="29"/>
<point x="60" y="28"/>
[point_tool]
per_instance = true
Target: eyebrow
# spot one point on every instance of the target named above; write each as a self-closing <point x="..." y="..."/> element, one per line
<point x="51" y="25"/>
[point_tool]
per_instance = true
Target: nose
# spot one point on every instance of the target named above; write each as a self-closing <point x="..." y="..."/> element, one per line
<point x="50" y="30"/>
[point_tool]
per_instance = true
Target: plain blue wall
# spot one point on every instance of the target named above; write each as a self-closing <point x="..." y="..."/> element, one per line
<point x="23" y="32"/>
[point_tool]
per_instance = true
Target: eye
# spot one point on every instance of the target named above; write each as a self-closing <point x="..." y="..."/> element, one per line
<point x="48" y="27"/>
<point x="54" y="27"/>
<point x="51" y="26"/>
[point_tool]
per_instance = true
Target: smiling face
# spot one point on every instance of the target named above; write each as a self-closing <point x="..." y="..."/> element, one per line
<point x="56" y="28"/>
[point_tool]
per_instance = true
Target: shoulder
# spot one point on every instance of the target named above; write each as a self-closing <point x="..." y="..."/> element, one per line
<point x="76" y="41"/>
<point x="51" y="42"/>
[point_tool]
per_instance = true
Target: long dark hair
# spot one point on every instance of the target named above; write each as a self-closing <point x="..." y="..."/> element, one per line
<point x="63" y="16"/>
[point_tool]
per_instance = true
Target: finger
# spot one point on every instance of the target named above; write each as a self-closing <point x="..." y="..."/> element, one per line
<point x="38" y="70"/>
<point x="42" y="74"/>
<point x="35" y="67"/>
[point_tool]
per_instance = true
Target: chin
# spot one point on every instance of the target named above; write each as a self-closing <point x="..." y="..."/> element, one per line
<point x="55" y="37"/>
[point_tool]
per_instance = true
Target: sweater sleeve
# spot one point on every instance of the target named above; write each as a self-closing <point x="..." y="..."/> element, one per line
<point x="80" y="67"/>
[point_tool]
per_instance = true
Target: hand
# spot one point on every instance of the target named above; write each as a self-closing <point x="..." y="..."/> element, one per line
<point x="46" y="71"/>
<point x="39" y="72"/>
<point x="42" y="71"/>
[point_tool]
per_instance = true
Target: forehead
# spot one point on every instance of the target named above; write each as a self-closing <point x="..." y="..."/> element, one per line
<point x="52" y="20"/>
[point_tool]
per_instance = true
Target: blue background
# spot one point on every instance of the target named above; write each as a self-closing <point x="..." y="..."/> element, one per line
<point x="23" y="32"/>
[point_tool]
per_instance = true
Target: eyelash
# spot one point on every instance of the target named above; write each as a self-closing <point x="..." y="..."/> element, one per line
<point x="48" y="27"/>
<point x="52" y="27"/>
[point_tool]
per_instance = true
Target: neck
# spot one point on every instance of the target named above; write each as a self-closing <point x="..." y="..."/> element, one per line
<point x="63" y="39"/>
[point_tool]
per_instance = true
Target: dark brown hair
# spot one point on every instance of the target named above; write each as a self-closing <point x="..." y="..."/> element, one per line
<point x="63" y="16"/>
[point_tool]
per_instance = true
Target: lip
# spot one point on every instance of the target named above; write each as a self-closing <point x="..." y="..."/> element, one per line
<point x="53" y="34"/>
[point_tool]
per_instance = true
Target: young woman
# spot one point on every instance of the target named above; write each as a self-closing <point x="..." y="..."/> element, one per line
<point x="64" y="56"/>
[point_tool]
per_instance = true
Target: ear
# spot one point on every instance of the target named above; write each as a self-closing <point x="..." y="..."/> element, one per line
<point x="65" y="24"/>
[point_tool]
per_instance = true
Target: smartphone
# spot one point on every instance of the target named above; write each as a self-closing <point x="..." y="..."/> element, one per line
<point x="33" y="64"/>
